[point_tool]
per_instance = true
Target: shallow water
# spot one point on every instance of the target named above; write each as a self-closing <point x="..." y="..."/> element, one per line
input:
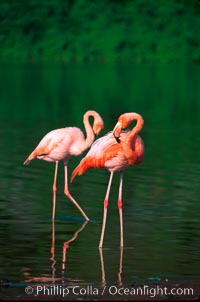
<point x="160" y="197"/>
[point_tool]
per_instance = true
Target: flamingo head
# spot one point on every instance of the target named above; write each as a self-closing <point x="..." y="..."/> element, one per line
<point x="124" y="121"/>
<point x="98" y="125"/>
<point x="117" y="131"/>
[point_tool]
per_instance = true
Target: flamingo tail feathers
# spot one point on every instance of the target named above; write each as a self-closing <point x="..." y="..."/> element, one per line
<point x="30" y="157"/>
<point x="80" y="169"/>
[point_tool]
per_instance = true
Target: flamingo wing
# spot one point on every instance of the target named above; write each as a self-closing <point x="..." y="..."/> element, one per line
<point x="57" y="145"/>
<point x="104" y="153"/>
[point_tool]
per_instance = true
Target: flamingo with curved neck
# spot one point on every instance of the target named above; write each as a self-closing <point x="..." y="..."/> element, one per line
<point x="60" y="144"/>
<point x="115" y="151"/>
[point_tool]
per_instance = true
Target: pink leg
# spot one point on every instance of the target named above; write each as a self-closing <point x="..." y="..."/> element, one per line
<point x="67" y="193"/>
<point x="120" y="209"/>
<point x="54" y="190"/>
<point x="105" y="209"/>
<point x="55" y="177"/>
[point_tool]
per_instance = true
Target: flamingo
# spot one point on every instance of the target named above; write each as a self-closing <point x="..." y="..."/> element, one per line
<point x="60" y="144"/>
<point x="115" y="151"/>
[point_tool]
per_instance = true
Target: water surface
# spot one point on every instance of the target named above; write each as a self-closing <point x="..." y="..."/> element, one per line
<point x="160" y="197"/>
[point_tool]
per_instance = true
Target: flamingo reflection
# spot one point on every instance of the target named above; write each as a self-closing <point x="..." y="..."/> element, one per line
<point x="66" y="245"/>
<point x="119" y="275"/>
<point x="65" y="248"/>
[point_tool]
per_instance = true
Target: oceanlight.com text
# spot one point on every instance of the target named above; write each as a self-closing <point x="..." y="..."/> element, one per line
<point x="144" y="290"/>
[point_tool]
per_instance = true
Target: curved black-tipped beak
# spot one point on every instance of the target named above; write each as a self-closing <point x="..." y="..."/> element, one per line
<point x="117" y="138"/>
<point x="116" y="132"/>
<point x="97" y="131"/>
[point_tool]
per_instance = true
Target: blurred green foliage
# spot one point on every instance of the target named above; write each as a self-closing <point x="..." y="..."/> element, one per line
<point x="93" y="30"/>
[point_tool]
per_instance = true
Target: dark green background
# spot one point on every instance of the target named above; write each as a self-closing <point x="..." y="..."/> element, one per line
<point x="106" y="30"/>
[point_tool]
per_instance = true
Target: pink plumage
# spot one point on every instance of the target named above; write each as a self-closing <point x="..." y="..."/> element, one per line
<point x="60" y="144"/>
<point x="115" y="151"/>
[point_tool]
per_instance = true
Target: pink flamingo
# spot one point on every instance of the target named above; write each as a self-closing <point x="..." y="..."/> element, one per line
<point x="115" y="151"/>
<point x="61" y="144"/>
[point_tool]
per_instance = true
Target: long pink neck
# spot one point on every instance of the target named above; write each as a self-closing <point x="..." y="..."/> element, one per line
<point x="137" y="128"/>
<point x="89" y="131"/>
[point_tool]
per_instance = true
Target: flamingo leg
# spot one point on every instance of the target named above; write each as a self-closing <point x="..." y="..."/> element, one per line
<point x="54" y="190"/>
<point x="67" y="193"/>
<point x="105" y="209"/>
<point x="120" y="208"/>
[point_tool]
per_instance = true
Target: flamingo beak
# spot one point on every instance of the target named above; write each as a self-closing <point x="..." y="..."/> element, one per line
<point x="117" y="131"/>
<point x="97" y="128"/>
<point x="96" y="132"/>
